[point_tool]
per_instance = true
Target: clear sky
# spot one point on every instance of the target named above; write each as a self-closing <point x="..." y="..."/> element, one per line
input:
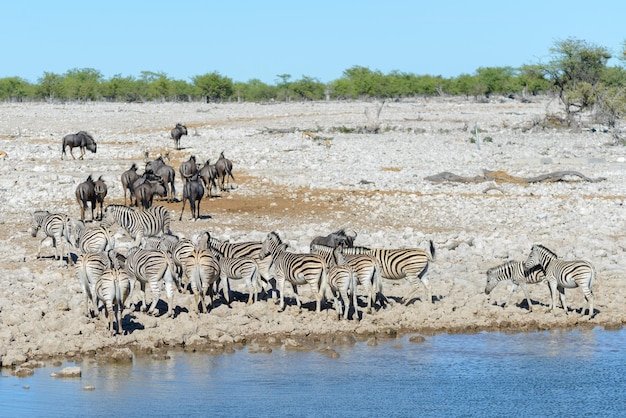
<point x="243" y="39"/>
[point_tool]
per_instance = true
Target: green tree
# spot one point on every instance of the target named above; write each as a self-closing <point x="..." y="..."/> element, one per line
<point x="575" y="68"/>
<point x="15" y="88"/>
<point x="50" y="87"/>
<point x="82" y="84"/>
<point x="213" y="86"/>
<point x="532" y="79"/>
<point x="308" y="88"/>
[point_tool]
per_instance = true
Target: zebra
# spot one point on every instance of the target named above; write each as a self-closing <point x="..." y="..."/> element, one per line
<point x="563" y="274"/>
<point x="92" y="239"/>
<point x="152" y="267"/>
<point x="410" y="263"/>
<point x="342" y="280"/>
<point x="113" y="289"/>
<point x="366" y="267"/>
<point x="165" y="242"/>
<point x="298" y="269"/>
<point x="241" y="268"/>
<point x="181" y="253"/>
<point x="89" y="268"/>
<point x="231" y="249"/>
<point x="138" y="223"/>
<point x="515" y="272"/>
<point x="54" y="225"/>
<point x="203" y="270"/>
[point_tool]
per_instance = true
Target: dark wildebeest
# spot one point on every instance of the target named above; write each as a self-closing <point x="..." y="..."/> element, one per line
<point x="146" y="191"/>
<point x="101" y="189"/>
<point x="178" y="131"/>
<point x="208" y="174"/>
<point x="334" y="239"/>
<point x="166" y="172"/>
<point x="86" y="192"/>
<point x="192" y="191"/>
<point x="128" y="178"/>
<point x="80" y="139"/>
<point x="188" y="169"/>
<point x="224" y="168"/>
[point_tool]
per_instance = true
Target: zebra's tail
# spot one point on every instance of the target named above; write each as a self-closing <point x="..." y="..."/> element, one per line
<point x="432" y="251"/>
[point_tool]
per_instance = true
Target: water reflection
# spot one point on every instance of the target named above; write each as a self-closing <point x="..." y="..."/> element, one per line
<point x="486" y="374"/>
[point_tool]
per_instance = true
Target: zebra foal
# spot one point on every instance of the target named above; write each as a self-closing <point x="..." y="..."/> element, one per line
<point x="241" y="268"/>
<point x="89" y="268"/>
<point x="516" y="273"/>
<point x="563" y="274"/>
<point x="297" y="269"/>
<point x="342" y="280"/>
<point x="55" y="226"/>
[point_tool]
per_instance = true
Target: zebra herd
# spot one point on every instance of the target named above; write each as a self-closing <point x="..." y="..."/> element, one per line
<point x="334" y="268"/>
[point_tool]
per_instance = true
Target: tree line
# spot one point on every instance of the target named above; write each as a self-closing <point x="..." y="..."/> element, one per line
<point x="576" y="72"/>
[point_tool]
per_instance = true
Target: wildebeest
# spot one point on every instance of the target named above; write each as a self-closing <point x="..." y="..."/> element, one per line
<point x="80" y="139"/>
<point x="146" y="191"/>
<point x="86" y="192"/>
<point x="176" y="133"/>
<point x="224" y="168"/>
<point x="101" y="189"/>
<point x="208" y="174"/>
<point x="188" y="168"/>
<point x="128" y="178"/>
<point x="192" y="191"/>
<point x="166" y="172"/>
<point x="339" y="237"/>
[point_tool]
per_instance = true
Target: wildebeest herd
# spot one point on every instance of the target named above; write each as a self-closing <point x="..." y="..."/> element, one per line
<point x="334" y="268"/>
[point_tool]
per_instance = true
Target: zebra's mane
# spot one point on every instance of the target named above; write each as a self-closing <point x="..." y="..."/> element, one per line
<point x="273" y="236"/>
<point x="546" y="250"/>
<point x="510" y="263"/>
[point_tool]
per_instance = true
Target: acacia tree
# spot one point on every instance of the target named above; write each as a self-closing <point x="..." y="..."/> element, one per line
<point x="575" y="70"/>
<point x="214" y="86"/>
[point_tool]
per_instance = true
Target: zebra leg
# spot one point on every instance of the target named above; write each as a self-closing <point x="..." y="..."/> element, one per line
<point x="337" y="305"/>
<point x="355" y="303"/>
<point x="552" y="287"/>
<point x="346" y="303"/>
<point x="169" y="292"/>
<point x="525" y="289"/>
<point x="562" y="298"/>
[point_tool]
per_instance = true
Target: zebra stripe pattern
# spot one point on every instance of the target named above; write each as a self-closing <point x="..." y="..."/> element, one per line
<point x="298" y="269"/>
<point x="113" y="289"/>
<point x="92" y="239"/>
<point x="153" y="268"/>
<point x="242" y="268"/>
<point x="55" y="226"/>
<point x="203" y="270"/>
<point x="515" y="272"/>
<point x="232" y="249"/>
<point x="89" y="268"/>
<point x="181" y="253"/>
<point x="366" y="268"/>
<point x="149" y="222"/>
<point x="342" y="280"/>
<point x="410" y="263"/>
<point x="563" y="274"/>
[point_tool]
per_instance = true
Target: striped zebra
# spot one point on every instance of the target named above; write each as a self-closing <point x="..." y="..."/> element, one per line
<point x="55" y="226"/>
<point x="366" y="267"/>
<point x="241" y="268"/>
<point x="297" y="269"/>
<point x="149" y="222"/>
<point x="113" y="289"/>
<point x="89" y="269"/>
<point x="203" y="270"/>
<point x="165" y="242"/>
<point x="231" y="249"/>
<point x="92" y="239"/>
<point x="397" y="264"/>
<point x="181" y="253"/>
<point x="563" y="274"/>
<point x="153" y="268"/>
<point x="342" y="280"/>
<point x="515" y="272"/>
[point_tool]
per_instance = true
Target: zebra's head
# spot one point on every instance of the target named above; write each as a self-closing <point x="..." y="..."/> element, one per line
<point x="492" y="280"/>
<point x="539" y="256"/>
<point x="270" y="244"/>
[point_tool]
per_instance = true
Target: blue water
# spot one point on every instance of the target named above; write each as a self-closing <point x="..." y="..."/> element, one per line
<point x="558" y="373"/>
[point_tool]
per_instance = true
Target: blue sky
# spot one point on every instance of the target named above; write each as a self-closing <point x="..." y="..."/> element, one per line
<point x="243" y="40"/>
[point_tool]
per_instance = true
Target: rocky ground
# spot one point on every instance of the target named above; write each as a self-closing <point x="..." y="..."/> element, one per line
<point x="347" y="177"/>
